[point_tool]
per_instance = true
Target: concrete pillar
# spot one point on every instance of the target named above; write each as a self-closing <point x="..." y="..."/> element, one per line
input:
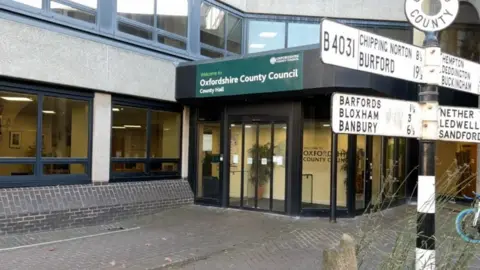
<point x="185" y="140"/>
<point x="102" y="118"/>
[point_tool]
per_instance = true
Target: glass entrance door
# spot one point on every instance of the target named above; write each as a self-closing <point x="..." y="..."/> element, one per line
<point x="257" y="165"/>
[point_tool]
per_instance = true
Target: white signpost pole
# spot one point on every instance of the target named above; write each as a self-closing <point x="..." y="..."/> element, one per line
<point x="428" y="99"/>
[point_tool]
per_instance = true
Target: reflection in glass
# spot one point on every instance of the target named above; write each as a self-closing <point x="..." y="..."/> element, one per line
<point x="158" y="166"/>
<point x="18" y="124"/>
<point x="172" y="16"/>
<point x="32" y="3"/>
<point x="300" y="34"/>
<point x="249" y="181"/>
<point x="376" y="170"/>
<point x="165" y="135"/>
<point x="72" y="12"/>
<point x="279" y="165"/>
<point x="65" y="127"/>
<point x="138" y="10"/>
<point x="135" y="31"/>
<point x="211" y="54"/>
<point x="360" y="172"/>
<point x="64" y="169"/>
<point x="236" y="157"/>
<point x="234" y="34"/>
<point x="265" y="36"/>
<point x="342" y="170"/>
<point x="260" y="174"/>
<point x="212" y="27"/>
<point x="404" y="35"/>
<point x="389" y="178"/>
<point x="87" y="3"/>
<point x="172" y="42"/>
<point x="316" y="163"/>
<point x="208" y="163"/>
<point x="128" y="167"/>
<point x="129" y="133"/>
<point x="16" y="169"/>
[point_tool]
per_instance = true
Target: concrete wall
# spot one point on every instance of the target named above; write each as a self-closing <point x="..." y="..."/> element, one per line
<point x="34" y="53"/>
<point x="355" y="9"/>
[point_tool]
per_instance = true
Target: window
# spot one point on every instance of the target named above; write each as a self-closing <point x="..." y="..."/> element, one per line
<point x="42" y="135"/>
<point x="300" y="34"/>
<point x="220" y="32"/>
<point x="166" y="22"/>
<point x="82" y="10"/>
<point x="145" y="142"/>
<point x="265" y="36"/>
<point x="32" y="3"/>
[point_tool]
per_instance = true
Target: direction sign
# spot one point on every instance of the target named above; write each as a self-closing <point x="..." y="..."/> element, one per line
<point x="349" y="47"/>
<point x="460" y="74"/>
<point x="459" y="124"/>
<point x="356" y="114"/>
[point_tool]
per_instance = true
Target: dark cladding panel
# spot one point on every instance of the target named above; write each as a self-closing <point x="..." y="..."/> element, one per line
<point x="316" y="74"/>
<point x="185" y="82"/>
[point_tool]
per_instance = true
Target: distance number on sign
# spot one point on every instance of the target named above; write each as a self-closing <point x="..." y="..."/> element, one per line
<point x="339" y="44"/>
<point x="410" y="129"/>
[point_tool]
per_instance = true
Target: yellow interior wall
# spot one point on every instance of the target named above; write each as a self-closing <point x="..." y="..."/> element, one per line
<point x="317" y="137"/>
<point x="445" y="166"/>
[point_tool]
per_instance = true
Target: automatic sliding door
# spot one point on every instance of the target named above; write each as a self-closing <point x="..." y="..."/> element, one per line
<point x="257" y="165"/>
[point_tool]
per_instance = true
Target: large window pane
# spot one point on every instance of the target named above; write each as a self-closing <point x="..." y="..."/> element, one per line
<point x="87" y="3"/>
<point x="265" y="36"/>
<point x="64" y="169"/>
<point x="32" y="3"/>
<point x="165" y="135"/>
<point x="65" y="128"/>
<point x="172" y="42"/>
<point x="138" y="10"/>
<point x="234" y="34"/>
<point x="211" y="54"/>
<point x="403" y="35"/>
<point x="129" y="133"/>
<point x="18" y="124"/>
<point x="16" y="169"/>
<point x="212" y="27"/>
<point x="136" y="31"/>
<point x="300" y="34"/>
<point x="72" y="12"/>
<point x="172" y="16"/>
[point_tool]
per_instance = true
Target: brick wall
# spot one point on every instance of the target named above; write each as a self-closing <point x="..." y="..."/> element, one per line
<point x="46" y="208"/>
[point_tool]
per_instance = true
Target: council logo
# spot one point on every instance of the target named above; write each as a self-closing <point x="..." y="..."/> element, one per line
<point x="273" y="60"/>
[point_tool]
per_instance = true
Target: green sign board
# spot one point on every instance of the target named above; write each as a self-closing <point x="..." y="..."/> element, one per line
<point x="262" y="74"/>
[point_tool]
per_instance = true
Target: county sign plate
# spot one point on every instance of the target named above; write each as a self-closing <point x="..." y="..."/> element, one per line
<point x="349" y="47"/>
<point x="459" y="124"/>
<point x="460" y="74"/>
<point x="356" y="114"/>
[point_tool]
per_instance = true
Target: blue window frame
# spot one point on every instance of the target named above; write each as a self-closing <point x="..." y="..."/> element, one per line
<point x="146" y="140"/>
<point x="45" y="135"/>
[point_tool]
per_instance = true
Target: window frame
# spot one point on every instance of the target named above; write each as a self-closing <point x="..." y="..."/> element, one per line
<point x="67" y="19"/>
<point x="225" y="52"/>
<point x="146" y="175"/>
<point x="38" y="178"/>
<point x="154" y="30"/>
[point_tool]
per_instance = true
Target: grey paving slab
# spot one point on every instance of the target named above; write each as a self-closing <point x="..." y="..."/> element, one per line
<point x="196" y="237"/>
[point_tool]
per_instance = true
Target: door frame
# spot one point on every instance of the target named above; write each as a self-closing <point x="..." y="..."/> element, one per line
<point x="254" y="120"/>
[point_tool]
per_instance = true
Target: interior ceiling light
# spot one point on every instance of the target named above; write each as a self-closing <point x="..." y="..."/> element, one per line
<point x="48" y="112"/>
<point x="115" y="109"/>
<point x="257" y="46"/>
<point x="132" y="126"/>
<point x="118" y="127"/>
<point x="326" y="125"/>
<point x="17" y="98"/>
<point x="268" y="34"/>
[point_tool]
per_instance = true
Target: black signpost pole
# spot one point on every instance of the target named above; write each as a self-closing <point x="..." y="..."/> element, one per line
<point x="333" y="179"/>
<point x="428" y="99"/>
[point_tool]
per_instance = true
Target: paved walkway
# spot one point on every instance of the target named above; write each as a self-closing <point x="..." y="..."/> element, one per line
<point x="197" y="237"/>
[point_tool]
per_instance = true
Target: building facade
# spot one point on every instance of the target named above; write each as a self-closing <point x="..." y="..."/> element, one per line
<point x="91" y="130"/>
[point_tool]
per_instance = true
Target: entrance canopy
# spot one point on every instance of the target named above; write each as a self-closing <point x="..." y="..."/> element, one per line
<point x="297" y="72"/>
